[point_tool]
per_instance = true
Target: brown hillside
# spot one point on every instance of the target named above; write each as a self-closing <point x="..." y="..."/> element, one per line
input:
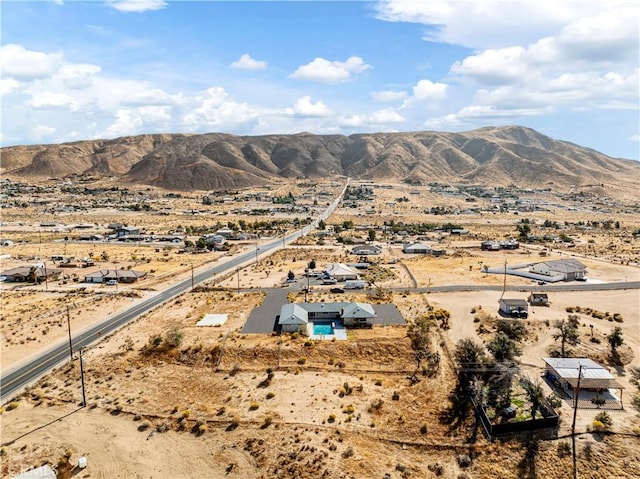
<point x="490" y="156"/>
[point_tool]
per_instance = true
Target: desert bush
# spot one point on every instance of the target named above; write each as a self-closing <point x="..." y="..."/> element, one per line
<point x="464" y="460"/>
<point x="186" y="413"/>
<point x="173" y="337"/>
<point x="348" y="453"/>
<point x="12" y="405"/>
<point x="348" y="409"/>
<point x="270" y="395"/>
<point x="378" y="382"/>
<point x="598" y="426"/>
<point x="395" y="396"/>
<point x="332" y="418"/>
<point x="144" y="426"/>
<point x="267" y="421"/>
<point x="376" y="405"/>
<point x="617" y="317"/>
<point x="564" y="449"/>
<point x="302" y="360"/>
<point x="423" y="429"/>
<point x="604" y="418"/>
<point x="554" y="401"/>
<point x="254" y="405"/>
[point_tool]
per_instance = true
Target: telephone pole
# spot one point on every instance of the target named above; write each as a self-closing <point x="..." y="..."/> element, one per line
<point x="84" y="398"/>
<point x="69" y="329"/>
<point x="576" y="395"/>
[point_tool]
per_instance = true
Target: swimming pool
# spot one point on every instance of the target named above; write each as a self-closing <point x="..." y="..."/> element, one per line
<point x="322" y="329"/>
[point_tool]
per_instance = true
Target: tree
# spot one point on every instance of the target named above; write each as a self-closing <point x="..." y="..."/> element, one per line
<point x="291" y="275"/>
<point x="499" y="384"/>
<point x="534" y="395"/>
<point x="503" y="348"/>
<point x="322" y="225"/>
<point x="516" y="330"/>
<point x="418" y="333"/>
<point x="615" y="340"/>
<point x="523" y="231"/>
<point x="470" y="357"/>
<point x="312" y="264"/>
<point x="372" y="235"/>
<point x="567" y="333"/>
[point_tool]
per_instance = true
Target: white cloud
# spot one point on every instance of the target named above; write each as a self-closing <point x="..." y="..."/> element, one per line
<point x="151" y="97"/>
<point x="426" y="89"/>
<point x="635" y="138"/>
<point x="386" y="116"/>
<point x="79" y="75"/>
<point x="7" y="85"/>
<point x="19" y="63"/>
<point x="213" y="109"/>
<point x="127" y="123"/>
<point x="53" y="100"/>
<point x="137" y="6"/>
<point x="490" y="23"/>
<point x="41" y="131"/>
<point x="388" y="95"/>
<point x="304" y="107"/>
<point x="325" y="71"/>
<point x="245" y="62"/>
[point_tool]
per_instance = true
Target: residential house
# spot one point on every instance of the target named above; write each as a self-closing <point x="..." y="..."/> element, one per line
<point x="299" y="317"/>
<point x="39" y="273"/>
<point x="566" y="372"/>
<point x="340" y="272"/>
<point x="120" y="275"/>
<point x="365" y="250"/>
<point x="561" y="269"/>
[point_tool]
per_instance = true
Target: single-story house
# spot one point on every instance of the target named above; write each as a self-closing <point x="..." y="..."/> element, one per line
<point x="490" y="245"/>
<point x="23" y="274"/>
<point x="214" y="239"/>
<point x="566" y="269"/>
<point x="510" y="244"/>
<point x="42" y="472"/>
<point x="417" y="248"/>
<point x="127" y="231"/>
<point x="226" y="232"/>
<point x="538" y="299"/>
<point x="364" y="250"/>
<point x="299" y="317"/>
<point x="120" y="275"/>
<point x="564" y="372"/>
<point x="340" y="271"/>
<point x="514" y="307"/>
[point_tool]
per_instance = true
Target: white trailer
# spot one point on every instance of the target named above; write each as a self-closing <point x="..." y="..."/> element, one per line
<point x="354" y="284"/>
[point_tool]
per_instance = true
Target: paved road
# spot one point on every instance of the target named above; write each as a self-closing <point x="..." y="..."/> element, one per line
<point x="13" y="381"/>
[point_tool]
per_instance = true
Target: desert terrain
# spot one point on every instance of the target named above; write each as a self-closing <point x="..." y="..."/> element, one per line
<point x="167" y="398"/>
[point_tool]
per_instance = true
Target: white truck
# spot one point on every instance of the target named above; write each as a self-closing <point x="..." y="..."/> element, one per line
<point x="354" y="284"/>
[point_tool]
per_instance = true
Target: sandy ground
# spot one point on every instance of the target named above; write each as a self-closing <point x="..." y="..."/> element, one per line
<point x="331" y="409"/>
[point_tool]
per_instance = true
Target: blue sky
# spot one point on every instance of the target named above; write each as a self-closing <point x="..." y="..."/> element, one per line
<point x="102" y="69"/>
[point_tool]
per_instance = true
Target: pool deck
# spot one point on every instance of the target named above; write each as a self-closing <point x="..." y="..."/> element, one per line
<point x="339" y="334"/>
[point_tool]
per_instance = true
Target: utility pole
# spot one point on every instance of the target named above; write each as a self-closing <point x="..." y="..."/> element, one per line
<point x="69" y="329"/>
<point x="84" y="398"/>
<point x="575" y="401"/>
<point x="238" y="271"/>
<point x="192" y="283"/>
<point x="46" y="277"/>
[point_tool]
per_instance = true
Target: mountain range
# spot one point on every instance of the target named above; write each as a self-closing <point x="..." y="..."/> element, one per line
<point x="490" y="156"/>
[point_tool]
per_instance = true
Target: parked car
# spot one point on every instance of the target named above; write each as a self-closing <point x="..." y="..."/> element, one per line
<point x="112" y="282"/>
<point x="292" y="280"/>
<point x="337" y="290"/>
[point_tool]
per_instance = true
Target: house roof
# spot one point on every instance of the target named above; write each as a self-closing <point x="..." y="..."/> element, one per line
<point x="568" y="368"/>
<point x="416" y="246"/>
<point x="514" y="302"/>
<point x="359" y="310"/>
<point x="539" y="295"/>
<point x="339" y="269"/>
<point x="568" y="265"/>
<point x="293" y="313"/>
<point x="115" y="274"/>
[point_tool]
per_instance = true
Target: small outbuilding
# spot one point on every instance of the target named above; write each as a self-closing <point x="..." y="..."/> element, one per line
<point x="517" y="308"/>
<point x="538" y="299"/>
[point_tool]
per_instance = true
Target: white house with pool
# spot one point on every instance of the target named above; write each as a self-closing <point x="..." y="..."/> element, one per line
<point x="324" y="320"/>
